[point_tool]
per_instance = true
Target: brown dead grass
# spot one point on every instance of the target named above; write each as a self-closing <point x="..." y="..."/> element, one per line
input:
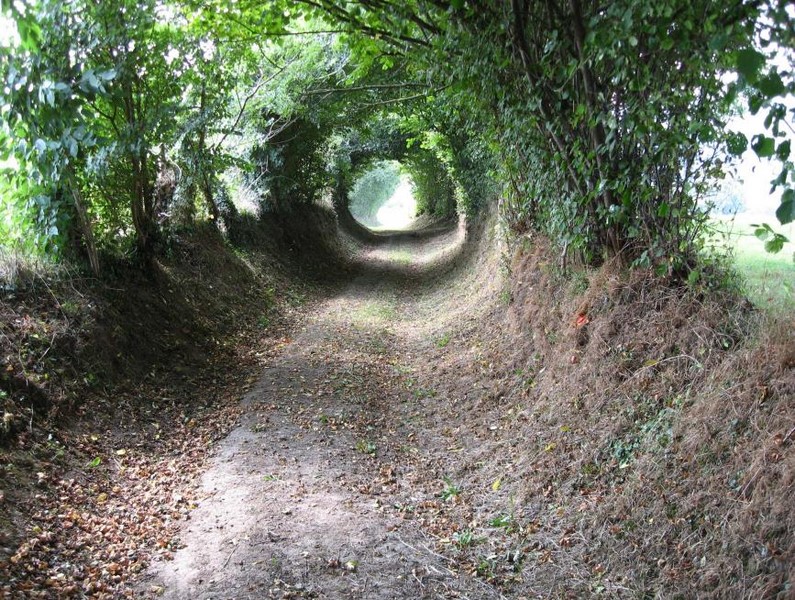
<point x="641" y="433"/>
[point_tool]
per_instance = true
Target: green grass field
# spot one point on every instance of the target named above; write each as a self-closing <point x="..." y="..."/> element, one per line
<point x="769" y="278"/>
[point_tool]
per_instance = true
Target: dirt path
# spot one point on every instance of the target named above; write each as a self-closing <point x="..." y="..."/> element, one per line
<point x="324" y="489"/>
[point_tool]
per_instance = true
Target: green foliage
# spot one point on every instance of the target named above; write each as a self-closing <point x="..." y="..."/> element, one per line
<point x="465" y="538"/>
<point x="450" y="491"/>
<point x="599" y="125"/>
<point x="433" y="186"/>
<point x="774" y="242"/>
<point x="767" y="87"/>
<point x="366" y="447"/>
<point x="372" y="189"/>
<point x="443" y="340"/>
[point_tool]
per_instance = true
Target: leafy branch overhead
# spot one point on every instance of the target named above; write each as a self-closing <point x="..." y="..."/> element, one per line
<point x="601" y="125"/>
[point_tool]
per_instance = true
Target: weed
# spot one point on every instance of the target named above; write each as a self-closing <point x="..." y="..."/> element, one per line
<point x="366" y="447"/>
<point x="451" y="491"/>
<point x="527" y="377"/>
<point x="442" y="341"/>
<point x="579" y="282"/>
<point x="270" y="477"/>
<point x="485" y="568"/>
<point x="590" y="469"/>
<point x="507" y="520"/>
<point x="421" y="392"/>
<point x="70" y="308"/>
<point x="464" y="539"/>
<point x="55" y="448"/>
<point x="295" y="299"/>
<point x="623" y="450"/>
<point x="263" y="322"/>
<point x="506" y="297"/>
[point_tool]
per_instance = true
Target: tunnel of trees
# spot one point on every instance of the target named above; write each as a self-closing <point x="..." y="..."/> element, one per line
<point x="552" y="385"/>
<point x="601" y="125"/>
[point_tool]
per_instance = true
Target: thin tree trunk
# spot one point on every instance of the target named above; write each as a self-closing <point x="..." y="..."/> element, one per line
<point x="203" y="158"/>
<point x="85" y="224"/>
<point x="597" y="132"/>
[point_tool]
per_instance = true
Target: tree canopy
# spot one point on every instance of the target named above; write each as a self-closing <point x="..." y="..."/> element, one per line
<point x="601" y="124"/>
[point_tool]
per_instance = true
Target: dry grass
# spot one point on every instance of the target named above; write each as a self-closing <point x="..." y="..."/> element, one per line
<point x="641" y="433"/>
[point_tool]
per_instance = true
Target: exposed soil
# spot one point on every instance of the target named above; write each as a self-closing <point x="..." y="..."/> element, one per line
<point x="319" y="492"/>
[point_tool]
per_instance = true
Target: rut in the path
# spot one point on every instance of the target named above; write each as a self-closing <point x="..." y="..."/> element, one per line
<point x="311" y="495"/>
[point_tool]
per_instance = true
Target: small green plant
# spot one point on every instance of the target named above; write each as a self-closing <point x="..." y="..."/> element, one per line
<point x="270" y="477"/>
<point x="70" y="308"/>
<point x="485" y="568"/>
<point x="451" y="491"/>
<point x="366" y="447"/>
<point x="263" y="322"/>
<point x="552" y="336"/>
<point x="421" y="392"/>
<point x="503" y="521"/>
<point x="590" y="469"/>
<point x="442" y="341"/>
<point x="55" y="448"/>
<point x="464" y="539"/>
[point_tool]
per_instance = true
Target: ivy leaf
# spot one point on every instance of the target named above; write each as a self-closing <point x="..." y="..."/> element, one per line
<point x="786" y="210"/>
<point x="749" y="62"/>
<point x="763" y="146"/>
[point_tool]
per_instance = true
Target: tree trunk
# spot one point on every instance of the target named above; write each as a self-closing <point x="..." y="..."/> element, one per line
<point x="205" y="164"/>
<point x="83" y="222"/>
<point x="142" y="201"/>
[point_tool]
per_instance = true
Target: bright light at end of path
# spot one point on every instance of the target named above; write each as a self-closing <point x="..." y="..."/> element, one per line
<point x="398" y="212"/>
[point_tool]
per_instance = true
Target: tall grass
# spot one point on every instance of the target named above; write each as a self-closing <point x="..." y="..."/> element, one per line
<point x="769" y="278"/>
